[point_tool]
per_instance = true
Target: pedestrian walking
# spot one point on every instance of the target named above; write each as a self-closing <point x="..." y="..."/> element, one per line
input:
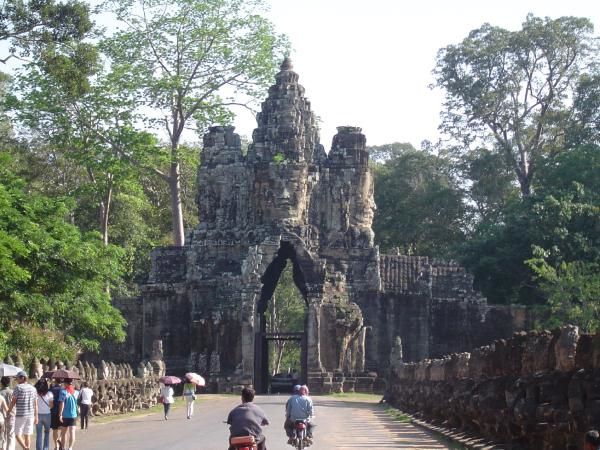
<point x="189" y="393"/>
<point x="24" y="401"/>
<point x="45" y="401"/>
<point x="166" y="394"/>
<point x="54" y="422"/>
<point x="67" y="414"/>
<point x="8" y="437"/>
<point x="85" y="404"/>
<point x="3" y="419"/>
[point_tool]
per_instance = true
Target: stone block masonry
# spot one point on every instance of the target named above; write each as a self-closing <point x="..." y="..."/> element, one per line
<point x="288" y="201"/>
<point x="536" y="390"/>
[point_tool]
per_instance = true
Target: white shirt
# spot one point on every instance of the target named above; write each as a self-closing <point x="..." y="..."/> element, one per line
<point x="43" y="402"/>
<point x="86" y="396"/>
<point x="167" y="393"/>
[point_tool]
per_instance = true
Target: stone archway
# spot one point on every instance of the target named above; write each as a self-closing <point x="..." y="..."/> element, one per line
<point x="270" y="278"/>
<point x="286" y="199"/>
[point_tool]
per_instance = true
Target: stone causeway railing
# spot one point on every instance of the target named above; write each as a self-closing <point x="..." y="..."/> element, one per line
<point x="118" y="388"/>
<point x="536" y="390"/>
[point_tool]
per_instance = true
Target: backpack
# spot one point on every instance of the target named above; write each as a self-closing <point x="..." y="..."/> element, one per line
<point x="70" y="403"/>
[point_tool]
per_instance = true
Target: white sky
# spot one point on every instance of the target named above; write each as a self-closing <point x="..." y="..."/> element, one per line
<point x="368" y="63"/>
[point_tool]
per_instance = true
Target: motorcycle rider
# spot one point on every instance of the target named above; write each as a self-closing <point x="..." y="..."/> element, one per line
<point x="248" y="419"/>
<point x="299" y="407"/>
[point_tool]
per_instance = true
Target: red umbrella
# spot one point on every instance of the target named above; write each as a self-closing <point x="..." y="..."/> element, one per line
<point x="195" y="378"/>
<point x="61" y="373"/>
<point x="169" y="379"/>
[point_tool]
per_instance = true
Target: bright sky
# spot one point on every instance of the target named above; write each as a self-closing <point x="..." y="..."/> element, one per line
<point x="369" y="63"/>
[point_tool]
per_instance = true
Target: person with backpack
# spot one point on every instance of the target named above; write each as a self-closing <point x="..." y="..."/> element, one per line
<point x="45" y="401"/>
<point x="67" y="414"/>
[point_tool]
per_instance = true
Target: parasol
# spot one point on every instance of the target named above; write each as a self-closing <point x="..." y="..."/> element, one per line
<point x="195" y="378"/>
<point x="6" y="370"/>
<point x="61" y="373"/>
<point x="169" y="379"/>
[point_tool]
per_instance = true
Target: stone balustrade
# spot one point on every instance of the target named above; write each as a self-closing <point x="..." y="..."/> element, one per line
<point x="536" y="390"/>
<point x="118" y="388"/>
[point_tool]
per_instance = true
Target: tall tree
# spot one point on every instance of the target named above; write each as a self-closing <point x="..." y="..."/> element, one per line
<point x="187" y="62"/>
<point x="420" y="207"/>
<point x="53" y="278"/>
<point x="513" y="90"/>
<point x="30" y="26"/>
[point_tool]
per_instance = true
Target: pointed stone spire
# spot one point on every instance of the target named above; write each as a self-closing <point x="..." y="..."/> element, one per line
<point x="286" y="125"/>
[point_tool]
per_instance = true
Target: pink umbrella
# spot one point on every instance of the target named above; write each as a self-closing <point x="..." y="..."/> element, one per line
<point x="195" y="378"/>
<point x="169" y="379"/>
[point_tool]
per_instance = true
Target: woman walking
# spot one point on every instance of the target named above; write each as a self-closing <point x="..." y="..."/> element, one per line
<point x="166" y="393"/>
<point x="189" y="393"/>
<point x="45" y="401"/>
<point x="67" y="414"/>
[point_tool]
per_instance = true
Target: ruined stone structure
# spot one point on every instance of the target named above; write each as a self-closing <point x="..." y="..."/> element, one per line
<point x="537" y="390"/>
<point x="287" y="201"/>
<point x="118" y="388"/>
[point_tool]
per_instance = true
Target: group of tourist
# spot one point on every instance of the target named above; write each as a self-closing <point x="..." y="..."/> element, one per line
<point x="189" y="394"/>
<point x="47" y="408"/>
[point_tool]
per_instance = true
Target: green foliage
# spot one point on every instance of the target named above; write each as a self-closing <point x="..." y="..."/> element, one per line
<point x="515" y="89"/>
<point x="572" y="290"/>
<point x="278" y="158"/>
<point x="53" y="278"/>
<point x="286" y="314"/>
<point x="419" y="206"/>
<point x="563" y="218"/>
<point x="188" y="62"/>
<point x="31" y="26"/>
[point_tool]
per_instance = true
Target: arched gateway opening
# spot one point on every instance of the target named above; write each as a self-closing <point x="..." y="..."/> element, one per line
<point x="270" y="339"/>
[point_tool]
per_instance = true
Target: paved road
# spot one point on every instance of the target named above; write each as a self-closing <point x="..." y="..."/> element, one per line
<point x="342" y="424"/>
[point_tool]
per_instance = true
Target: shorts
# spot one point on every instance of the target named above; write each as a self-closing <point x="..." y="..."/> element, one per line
<point x="23" y="425"/>
<point x="54" y="423"/>
<point x="69" y="422"/>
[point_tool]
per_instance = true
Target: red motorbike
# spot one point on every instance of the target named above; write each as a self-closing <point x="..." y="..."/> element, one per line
<point x="300" y="440"/>
<point x="243" y="443"/>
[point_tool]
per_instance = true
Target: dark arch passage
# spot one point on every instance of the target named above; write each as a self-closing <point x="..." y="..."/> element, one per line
<point x="261" y="339"/>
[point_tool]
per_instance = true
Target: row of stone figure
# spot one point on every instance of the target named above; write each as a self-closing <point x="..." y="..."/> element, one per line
<point x="125" y="395"/>
<point x="89" y="372"/>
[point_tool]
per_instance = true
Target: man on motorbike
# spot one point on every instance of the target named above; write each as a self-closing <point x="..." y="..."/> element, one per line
<point x="248" y="419"/>
<point x="299" y="407"/>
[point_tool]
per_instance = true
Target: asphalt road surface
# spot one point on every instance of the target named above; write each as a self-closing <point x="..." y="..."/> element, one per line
<point x="341" y="424"/>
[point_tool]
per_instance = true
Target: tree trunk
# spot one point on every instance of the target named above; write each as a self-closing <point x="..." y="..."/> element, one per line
<point x="280" y="349"/>
<point x="105" y="211"/>
<point x="176" y="207"/>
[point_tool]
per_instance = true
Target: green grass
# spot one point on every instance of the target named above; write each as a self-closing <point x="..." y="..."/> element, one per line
<point x="355" y="396"/>
<point x="140" y="412"/>
<point x="397" y="415"/>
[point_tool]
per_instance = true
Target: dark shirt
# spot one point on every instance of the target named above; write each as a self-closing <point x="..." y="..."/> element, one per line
<point x="55" y="392"/>
<point x="246" y="419"/>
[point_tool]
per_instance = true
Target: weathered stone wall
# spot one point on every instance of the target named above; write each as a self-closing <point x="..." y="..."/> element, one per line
<point x="287" y="201"/>
<point x="118" y="388"/>
<point x="536" y="390"/>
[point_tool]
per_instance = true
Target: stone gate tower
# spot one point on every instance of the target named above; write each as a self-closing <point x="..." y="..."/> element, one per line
<point x="288" y="201"/>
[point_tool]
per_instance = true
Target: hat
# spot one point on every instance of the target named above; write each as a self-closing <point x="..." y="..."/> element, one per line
<point x="21" y="374"/>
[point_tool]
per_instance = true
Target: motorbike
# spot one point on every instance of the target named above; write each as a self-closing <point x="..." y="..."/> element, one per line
<point x="243" y="443"/>
<point x="300" y="439"/>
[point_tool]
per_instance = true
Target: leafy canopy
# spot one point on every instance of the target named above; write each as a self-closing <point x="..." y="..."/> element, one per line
<point x="513" y="90"/>
<point x="53" y="278"/>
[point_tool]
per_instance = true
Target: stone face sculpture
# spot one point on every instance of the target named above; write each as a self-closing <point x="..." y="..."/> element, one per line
<point x="565" y="346"/>
<point x="287" y="202"/>
<point x="35" y="369"/>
